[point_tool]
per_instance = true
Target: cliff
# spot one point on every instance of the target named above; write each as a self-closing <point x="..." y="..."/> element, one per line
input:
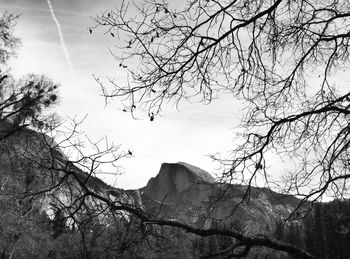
<point x="185" y="192"/>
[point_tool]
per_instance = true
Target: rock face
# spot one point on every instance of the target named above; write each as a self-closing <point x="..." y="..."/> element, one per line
<point x="178" y="177"/>
<point x="30" y="162"/>
<point x="185" y="192"/>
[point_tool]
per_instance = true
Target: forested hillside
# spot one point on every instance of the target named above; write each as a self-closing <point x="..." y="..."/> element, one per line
<point x="325" y="232"/>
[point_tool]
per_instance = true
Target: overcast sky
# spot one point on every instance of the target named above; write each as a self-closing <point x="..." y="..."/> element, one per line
<point x="188" y="135"/>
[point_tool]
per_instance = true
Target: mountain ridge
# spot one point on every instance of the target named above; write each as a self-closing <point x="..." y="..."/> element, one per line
<point x="180" y="191"/>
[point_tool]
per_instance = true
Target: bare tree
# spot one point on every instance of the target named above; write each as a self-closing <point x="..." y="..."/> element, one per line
<point x="282" y="58"/>
<point x="46" y="168"/>
<point x="24" y="106"/>
<point x="53" y="173"/>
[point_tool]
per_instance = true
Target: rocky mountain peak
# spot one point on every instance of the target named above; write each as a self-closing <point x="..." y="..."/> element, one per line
<point x="198" y="173"/>
<point x="176" y="177"/>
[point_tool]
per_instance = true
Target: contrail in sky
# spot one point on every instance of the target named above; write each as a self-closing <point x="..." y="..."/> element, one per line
<point x="63" y="44"/>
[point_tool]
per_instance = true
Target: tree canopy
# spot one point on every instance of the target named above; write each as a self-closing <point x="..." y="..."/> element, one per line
<point x="23" y="102"/>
